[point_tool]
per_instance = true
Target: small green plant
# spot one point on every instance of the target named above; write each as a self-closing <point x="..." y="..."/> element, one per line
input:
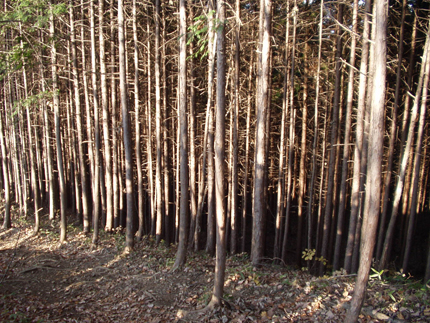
<point x="376" y="274"/>
<point x="309" y="254"/>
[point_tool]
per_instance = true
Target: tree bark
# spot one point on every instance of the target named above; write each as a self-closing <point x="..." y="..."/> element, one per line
<point x="126" y="130"/>
<point x="183" y="139"/>
<point x="375" y="149"/>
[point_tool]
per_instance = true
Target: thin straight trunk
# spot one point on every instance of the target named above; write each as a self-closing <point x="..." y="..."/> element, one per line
<point x="34" y="182"/>
<point x="346" y="148"/>
<point x="358" y="147"/>
<point x="149" y="139"/>
<point x="210" y="242"/>
<point x="96" y="179"/>
<point x="202" y="188"/>
<point x="219" y="161"/>
<point x="113" y="85"/>
<point x="88" y="116"/>
<point x="333" y="141"/>
<point x="5" y="168"/>
<point x="235" y="159"/>
<point x="375" y="149"/>
<point x="247" y="141"/>
<point x="105" y="119"/>
<point x="292" y="112"/>
<point x="78" y="118"/>
<point x="259" y="209"/>
<point x="192" y="134"/>
<point x="56" y="101"/>
<point x="140" y="212"/>
<point x="416" y="166"/>
<point x="316" y="133"/>
<point x="126" y="129"/>
<point x="166" y="143"/>
<point x="280" y="202"/>
<point x="158" y="165"/>
<point x="404" y="160"/>
<point x="183" y="139"/>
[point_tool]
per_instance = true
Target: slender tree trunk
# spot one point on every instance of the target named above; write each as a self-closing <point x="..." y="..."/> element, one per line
<point x="247" y="143"/>
<point x="333" y="141"/>
<point x="346" y="148"/>
<point x="105" y="120"/>
<point x="56" y="101"/>
<point x="375" y="148"/>
<point x="158" y="174"/>
<point x="5" y="168"/>
<point x="126" y="130"/>
<point x="280" y="202"/>
<point x="140" y="206"/>
<point x="316" y="133"/>
<point x="96" y="179"/>
<point x="219" y="160"/>
<point x="78" y="117"/>
<point x="183" y="139"/>
<point x="259" y="210"/>
<point x="358" y="147"/>
<point x="235" y="159"/>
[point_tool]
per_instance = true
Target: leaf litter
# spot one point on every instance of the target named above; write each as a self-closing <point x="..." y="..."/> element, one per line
<point x="42" y="281"/>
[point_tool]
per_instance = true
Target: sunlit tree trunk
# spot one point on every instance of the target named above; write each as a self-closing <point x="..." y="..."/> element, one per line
<point x="183" y="139"/>
<point x="105" y="120"/>
<point x="78" y="117"/>
<point x="5" y="168"/>
<point x="96" y="146"/>
<point x="220" y="159"/>
<point x="259" y="202"/>
<point x="358" y="153"/>
<point x="140" y="207"/>
<point x="346" y="147"/>
<point x="56" y="101"/>
<point x="158" y="165"/>
<point x="333" y="140"/>
<point x="374" y="167"/>
<point x="126" y="130"/>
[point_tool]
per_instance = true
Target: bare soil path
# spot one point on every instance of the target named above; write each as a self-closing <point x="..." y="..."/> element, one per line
<point x="42" y="281"/>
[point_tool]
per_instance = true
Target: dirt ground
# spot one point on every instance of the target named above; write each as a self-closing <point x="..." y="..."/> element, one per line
<point x="42" y="281"/>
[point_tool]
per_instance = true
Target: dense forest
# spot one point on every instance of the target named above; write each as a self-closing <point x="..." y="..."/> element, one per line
<point x="293" y="131"/>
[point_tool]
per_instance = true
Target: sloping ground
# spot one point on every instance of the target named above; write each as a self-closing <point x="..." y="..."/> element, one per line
<point x="42" y="281"/>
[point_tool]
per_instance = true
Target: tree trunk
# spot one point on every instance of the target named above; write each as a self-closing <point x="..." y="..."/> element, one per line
<point x="219" y="160"/>
<point x="158" y="175"/>
<point x="346" y="148"/>
<point x="96" y="179"/>
<point x="140" y="211"/>
<point x="105" y="120"/>
<point x="183" y="139"/>
<point x="358" y="152"/>
<point x="5" y="168"/>
<point x="375" y="149"/>
<point x="56" y="101"/>
<point x="259" y="209"/>
<point x="333" y="140"/>
<point x="126" y="130"/>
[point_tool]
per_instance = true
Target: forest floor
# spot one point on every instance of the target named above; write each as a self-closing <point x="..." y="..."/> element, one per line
<point x="42" y="281"/>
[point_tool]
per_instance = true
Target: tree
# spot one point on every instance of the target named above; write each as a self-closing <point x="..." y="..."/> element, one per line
<point x="56" y="104"/>
<point x="259" y="203"/>
<point x="375" y="148"/>
<point x="126" y="128"/>
<point x="183" y="139"/>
